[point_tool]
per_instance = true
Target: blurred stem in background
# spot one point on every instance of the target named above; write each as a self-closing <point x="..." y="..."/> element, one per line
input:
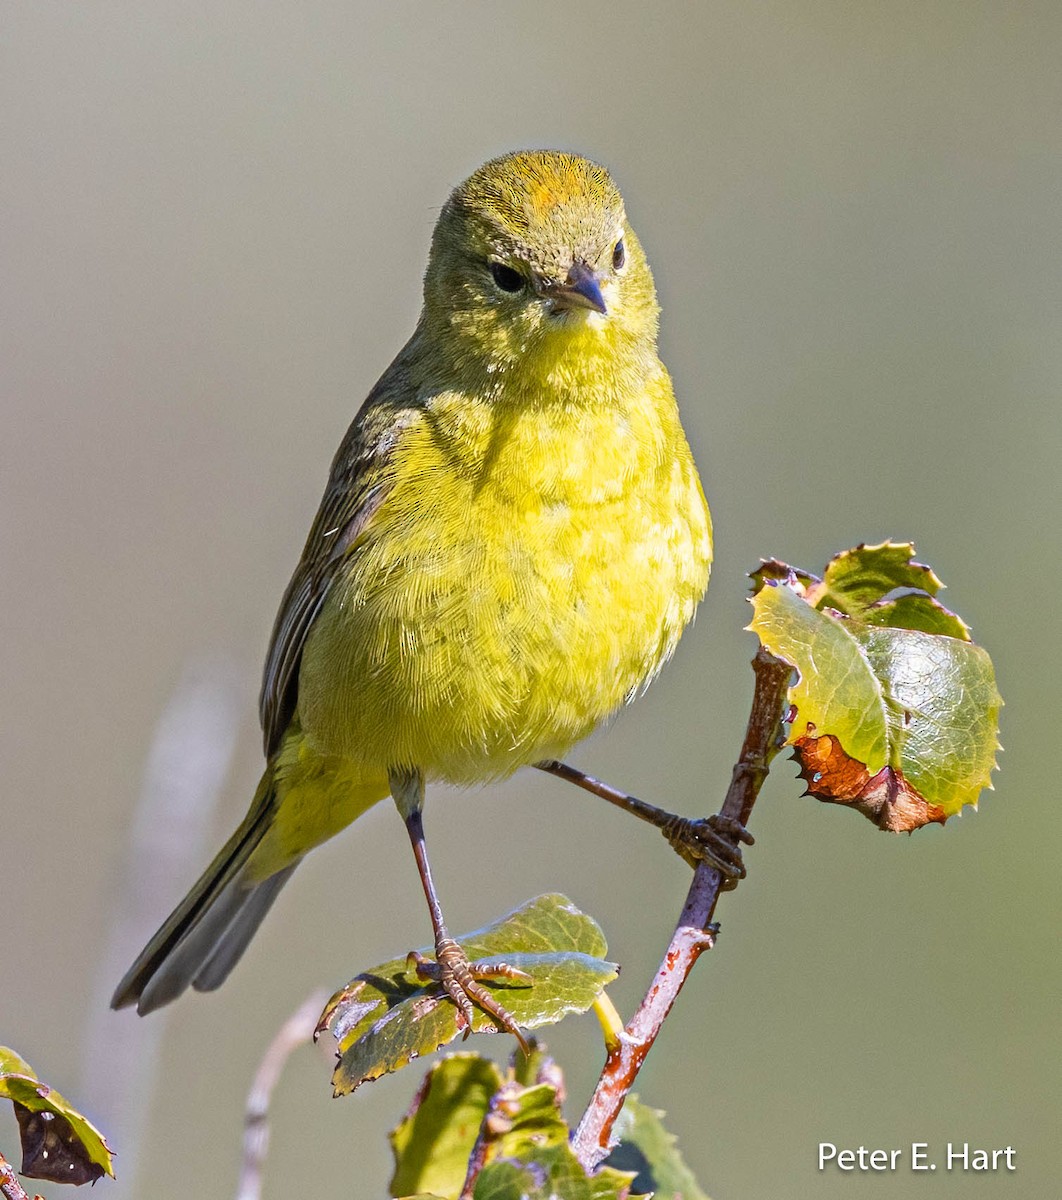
<point x="188" y="762"/>
<point x="298" y="1030"/>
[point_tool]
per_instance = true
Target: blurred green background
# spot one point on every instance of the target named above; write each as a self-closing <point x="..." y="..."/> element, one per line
<point x="214" y="221"/>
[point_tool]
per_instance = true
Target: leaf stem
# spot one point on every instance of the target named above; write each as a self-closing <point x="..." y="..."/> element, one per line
<point x="610" y="1021"/>
<point x="694" y="932"/>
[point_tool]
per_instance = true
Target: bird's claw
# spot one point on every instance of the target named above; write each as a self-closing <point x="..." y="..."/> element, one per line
<point x="714" y="840"/>
<point x="459" y="978"/>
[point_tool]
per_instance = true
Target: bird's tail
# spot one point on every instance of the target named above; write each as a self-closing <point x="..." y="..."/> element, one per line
<point x="202" y="939"/>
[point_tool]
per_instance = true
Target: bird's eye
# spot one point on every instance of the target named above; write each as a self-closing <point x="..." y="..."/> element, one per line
<point x="619" y="256"/>
<point x="508" y="279"/>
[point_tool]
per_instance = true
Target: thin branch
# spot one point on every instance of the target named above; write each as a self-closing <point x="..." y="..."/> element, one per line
<point x="693" y="933"/>
<point x="296" y="1031"/>
<point x="10" y="1186"/>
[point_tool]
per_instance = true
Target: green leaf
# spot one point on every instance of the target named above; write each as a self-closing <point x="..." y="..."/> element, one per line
<point x="552" y="1173"/>
<point x="464" y="1106"/>
<point x="943" y="712"/>
<point x="883" y="585"/>
<point x="538" y="1067"/>
<point x="432" y="1144"/>
<point x="527" y="1152"/>
<point x="854" y="580"/>
<point x="529" y="1121"/>
<point x="649" y="1150"/>
<point x="12" y="1063"/>
<point x="386" y="1017"/>
<point x="836" y="688"/>
<point x="58" y="1143"/>
<point x="894" y="713"/>
<point x="915" y="610"/>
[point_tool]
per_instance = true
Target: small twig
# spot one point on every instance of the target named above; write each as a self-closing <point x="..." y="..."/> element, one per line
<point x="10" y="1186"/>
<point x="693" y="933"/>
<point x="296" y="1031"/>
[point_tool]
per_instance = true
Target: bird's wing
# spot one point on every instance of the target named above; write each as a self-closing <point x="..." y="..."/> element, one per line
<point x="357" y="483"/>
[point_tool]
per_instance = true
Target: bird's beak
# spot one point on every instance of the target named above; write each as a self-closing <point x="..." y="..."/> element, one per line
<point x="581" y="289"/>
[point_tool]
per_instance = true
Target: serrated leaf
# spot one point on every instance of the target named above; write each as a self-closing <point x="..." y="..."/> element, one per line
<point x="432" y="1143"/>
<point x="858" y="578"/>
<point x="916" y="610"/>
<point x="648" y="1149"/>
<point x="386" y="1017"/>
<point x="553" y="1173"/>
<point x="899" y="723"/>
<point x="943" y="712"/>
<point x="58" y="1143"/>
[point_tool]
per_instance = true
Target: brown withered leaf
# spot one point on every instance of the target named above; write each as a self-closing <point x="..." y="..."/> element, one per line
<point x="774" y="568"/>
<point x="885" y="798"/>
<point x="52" y="1150"/>
<point x="58" y="1143"/>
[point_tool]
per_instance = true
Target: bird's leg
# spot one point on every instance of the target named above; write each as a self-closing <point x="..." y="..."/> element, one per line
<point x="715" y="840"/>
<point x="452" y="969"/>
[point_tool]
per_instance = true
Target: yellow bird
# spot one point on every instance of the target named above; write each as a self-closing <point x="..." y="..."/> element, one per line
<point x="512" y="538"/>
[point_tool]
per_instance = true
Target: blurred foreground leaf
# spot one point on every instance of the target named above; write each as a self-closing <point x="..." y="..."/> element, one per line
<point x="651" y="1152"/>
<point x="467" y="1110"/>
<point x="433" y="1142"/>
<point x="386" y="1017"/>
<point x="58" y="1143"/>
<point x="895" y="710"/>
<point x="549" y="1175"/>
<point x="527" y="1155"/>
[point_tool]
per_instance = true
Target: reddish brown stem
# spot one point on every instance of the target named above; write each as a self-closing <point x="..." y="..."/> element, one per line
<point x="10" y="1186"/>
<point x="693" y="933"/>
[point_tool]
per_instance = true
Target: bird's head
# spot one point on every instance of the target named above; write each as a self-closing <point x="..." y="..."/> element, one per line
<point x="533" y="252"/>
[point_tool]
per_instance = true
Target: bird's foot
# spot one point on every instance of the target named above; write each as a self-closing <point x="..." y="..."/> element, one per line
<point x="460" y="980"/>
<point x="714" y="840"/>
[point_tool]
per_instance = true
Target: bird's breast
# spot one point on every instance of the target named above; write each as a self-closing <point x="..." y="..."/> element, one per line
<point x="528" y="572"/>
